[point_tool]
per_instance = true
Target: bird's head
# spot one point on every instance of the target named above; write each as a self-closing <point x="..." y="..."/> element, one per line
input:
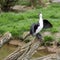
<point x="40" y="15"/>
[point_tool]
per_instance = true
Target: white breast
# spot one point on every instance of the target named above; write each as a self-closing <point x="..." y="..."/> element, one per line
<point x="39" y="29"/>
<point x="40" y="24"/>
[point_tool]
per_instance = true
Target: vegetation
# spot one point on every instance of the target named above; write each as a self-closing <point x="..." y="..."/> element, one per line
<point x="48" y="38"/>
<point x="32" y="3"/>
<point x="17" y="23"/>
<point x="6" y="4"/>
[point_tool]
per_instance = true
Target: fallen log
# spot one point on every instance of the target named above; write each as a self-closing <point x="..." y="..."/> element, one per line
<point x="31" y="51"/>
<point x="19" y="52"/>
<point x="25" y="52"/>
<point x="15" y="55"/>
<point x="5" y="38"/>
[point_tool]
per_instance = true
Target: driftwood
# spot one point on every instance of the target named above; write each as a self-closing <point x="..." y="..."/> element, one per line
<point x="5" y="38"/>
<point x="25" y="52"/>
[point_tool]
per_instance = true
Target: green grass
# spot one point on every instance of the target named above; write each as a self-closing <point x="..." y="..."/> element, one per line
<point x="17" y="23"/>
<point x="48" y="38"/>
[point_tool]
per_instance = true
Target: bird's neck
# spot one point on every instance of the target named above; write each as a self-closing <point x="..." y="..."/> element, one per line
<point x="40" y="20"/>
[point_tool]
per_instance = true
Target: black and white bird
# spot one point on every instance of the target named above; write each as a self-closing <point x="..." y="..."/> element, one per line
<point x="37" y="27"/>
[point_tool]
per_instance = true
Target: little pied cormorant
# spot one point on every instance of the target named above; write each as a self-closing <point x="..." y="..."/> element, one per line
<point x="37" y="27"/>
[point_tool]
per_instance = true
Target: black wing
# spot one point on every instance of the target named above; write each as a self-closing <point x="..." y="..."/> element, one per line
<point x="46" y="24"/>
<point x="33" y="28"/>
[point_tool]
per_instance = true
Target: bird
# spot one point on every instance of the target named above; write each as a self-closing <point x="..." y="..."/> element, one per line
<point x="37" y="27"/>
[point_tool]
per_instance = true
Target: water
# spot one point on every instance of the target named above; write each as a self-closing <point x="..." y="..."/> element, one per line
<point x="6" y="50"/>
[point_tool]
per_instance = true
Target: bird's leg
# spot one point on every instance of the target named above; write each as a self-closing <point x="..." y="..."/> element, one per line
<point x="39" y="36"/>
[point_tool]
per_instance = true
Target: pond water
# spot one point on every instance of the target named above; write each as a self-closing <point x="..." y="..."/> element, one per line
<point x="6" y="50"/>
